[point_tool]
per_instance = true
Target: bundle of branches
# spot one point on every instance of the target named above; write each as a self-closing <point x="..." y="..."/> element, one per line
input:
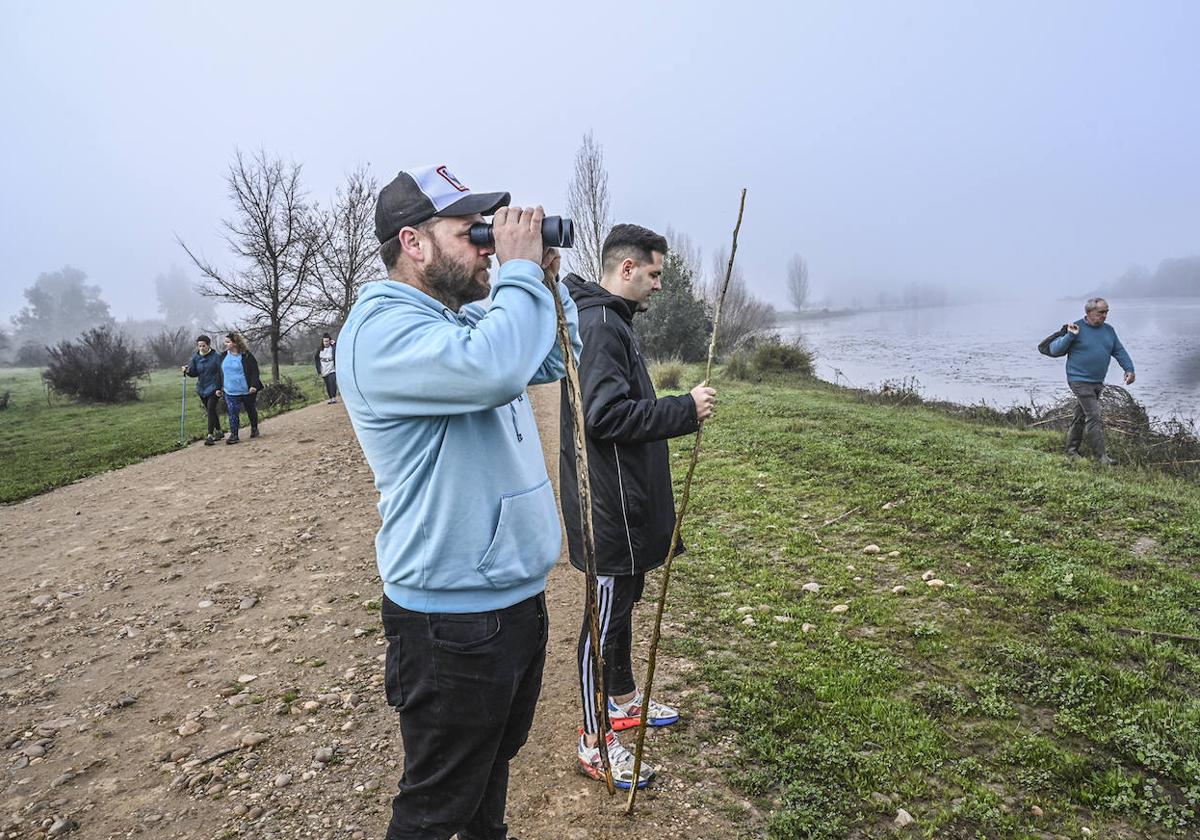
<point x="280" y="394"/>
<point x="1171" y="445"/>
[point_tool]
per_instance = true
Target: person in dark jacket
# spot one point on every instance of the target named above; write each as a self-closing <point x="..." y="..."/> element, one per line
<point x="324" y="359"/>
<point x="240" y="384"/>
<point x="633" y="507"/>
<point x="205" y="366"/>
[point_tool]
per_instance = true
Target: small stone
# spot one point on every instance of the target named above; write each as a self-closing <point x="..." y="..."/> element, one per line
<point x="849" y="568"/>
<point x="190" y="727"/>
<point x="881" y="798"/>
<point x="203" y="605"/>
<point x="255" y="812"/>
<point x="840" y="608"/>
<point x="807" y="628"/>
<point x="871" y="549"/>
<point x="181" y="753"/>
<point x="323" y="755"/>
<point x="239" y="700"/>
<point x="253" y="739"/>
<point x="903" y="818"/>
<point x="1036" y="811"/>
<point x="60" y="827"/>
<point x="123" y="702"/>
<point x="748" y="621"/>
<point x="59" y="781"/>
<point x="899" y="590"/>
<point x="857" y="579"/>
<point x="783" y="619"/>
<point x="240" y="810"/>
<point x="811" y="587"/>
<point x="34" y="751"/>
<point x="893" y="554"/>
<point x="311" y="706"/>
<point x="1087" y="832"/>
<point x="929" y="575"/>
<point x="744" y="610"/>
<point x="42" y="600"/>
<point x="888" y="505"/>
<point x="247" y="678"/>
<point x="936" y="583"/>
<point x="283" y="780"/>
<point x="247" y="603"/>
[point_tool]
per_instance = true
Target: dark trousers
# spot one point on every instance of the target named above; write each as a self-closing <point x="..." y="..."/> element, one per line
<point x="210" y="408"/>
<point x="330" y="384"/>
<point x="466" y="686"/>
<point x="1087" y="419"/>
<point x="234" y="403"/>
<point x="615" y="597"/>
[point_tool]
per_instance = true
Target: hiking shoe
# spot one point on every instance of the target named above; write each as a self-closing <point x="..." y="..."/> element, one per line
<point x="254" y="433"/>
<point x="1106" y="461"/>
<point x="210" y="440"/>
<point x="1072" y="452"/>
<point x="218" y="434"/>
<point x="619" y="758"/>
<point x="232" y="440"/>
<point x="624" y="716"/>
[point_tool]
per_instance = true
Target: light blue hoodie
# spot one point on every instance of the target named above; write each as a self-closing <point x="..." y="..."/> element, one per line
<point x="438" y="402"/>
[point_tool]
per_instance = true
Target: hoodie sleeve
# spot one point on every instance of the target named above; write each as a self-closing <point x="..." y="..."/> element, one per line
<point x="191" y="368"/>
<point x="554" y="367"/>
<point x="610" y="413"/>
<point x="409" y="362"/>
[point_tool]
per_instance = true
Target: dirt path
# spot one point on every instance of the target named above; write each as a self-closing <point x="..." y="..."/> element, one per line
<point x="159" y="620"/>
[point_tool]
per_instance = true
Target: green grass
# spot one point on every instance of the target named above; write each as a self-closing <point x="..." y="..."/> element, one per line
<point x="1009" y="688"/>
<point x="49" y="441"/>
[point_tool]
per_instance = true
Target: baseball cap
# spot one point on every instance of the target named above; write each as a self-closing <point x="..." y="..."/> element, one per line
<point x="425" y="192"/>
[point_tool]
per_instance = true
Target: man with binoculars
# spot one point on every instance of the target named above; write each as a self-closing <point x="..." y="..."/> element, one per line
<point x="434" y="384"/>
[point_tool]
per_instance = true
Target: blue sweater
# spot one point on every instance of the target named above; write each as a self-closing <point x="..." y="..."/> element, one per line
<point x="1089" y="352"/>
<point x="437" y="400"/>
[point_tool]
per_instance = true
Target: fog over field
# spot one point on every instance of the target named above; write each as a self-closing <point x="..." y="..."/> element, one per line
<point x="966" y="150"/>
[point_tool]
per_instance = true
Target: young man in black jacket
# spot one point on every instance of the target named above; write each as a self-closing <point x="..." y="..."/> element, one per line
<point x="633" y="507"/>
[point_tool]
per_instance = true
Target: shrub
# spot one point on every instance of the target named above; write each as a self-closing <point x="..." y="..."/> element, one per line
<point x="774" y="356"/>
<point x="170" y="348"/>
<point x="667" y="374"/>
<point x="99" y="366"/>
<point x="32" y="354"/>
<point x="738" y="366"/>
<point x="4" y="400"/>
<point x="280" y="394"/>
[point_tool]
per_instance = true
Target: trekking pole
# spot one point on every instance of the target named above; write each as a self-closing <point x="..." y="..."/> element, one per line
<point x="182" y="407"/>
<point x="583" y="480"/>
<point x="687" y="489"/>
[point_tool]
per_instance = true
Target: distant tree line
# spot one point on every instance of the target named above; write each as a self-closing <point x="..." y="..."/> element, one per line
<point x="295" y="269"/>
<point x="1178" y="277"/>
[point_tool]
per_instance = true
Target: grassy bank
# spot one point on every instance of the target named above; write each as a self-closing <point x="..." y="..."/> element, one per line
<point x="50" y="441"/>
<point x="1014" y="700"/>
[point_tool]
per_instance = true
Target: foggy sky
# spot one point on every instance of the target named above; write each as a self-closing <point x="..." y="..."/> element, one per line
<point x="1019" y="146"/>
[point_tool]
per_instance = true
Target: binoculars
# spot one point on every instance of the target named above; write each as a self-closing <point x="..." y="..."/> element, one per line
<point x="557" y="232"/>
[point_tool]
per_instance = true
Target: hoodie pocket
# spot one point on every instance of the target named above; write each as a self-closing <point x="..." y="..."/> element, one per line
<point x="527" y="539"/>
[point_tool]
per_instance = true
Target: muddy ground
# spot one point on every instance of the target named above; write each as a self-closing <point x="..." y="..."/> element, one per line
<point x="190" y="647"/>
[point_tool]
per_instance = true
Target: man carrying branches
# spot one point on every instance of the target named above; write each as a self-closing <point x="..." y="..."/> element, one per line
<point x="627" y="428"/>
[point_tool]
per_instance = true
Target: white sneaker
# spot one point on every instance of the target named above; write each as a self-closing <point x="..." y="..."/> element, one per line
<point x="624" y="716"/>
<point x="619" y="758"/>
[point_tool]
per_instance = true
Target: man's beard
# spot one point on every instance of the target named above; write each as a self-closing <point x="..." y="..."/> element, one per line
<point x="451" y="283"/>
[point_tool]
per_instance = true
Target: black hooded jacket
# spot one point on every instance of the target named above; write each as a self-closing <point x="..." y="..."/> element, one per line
<point x="633" y="506"/>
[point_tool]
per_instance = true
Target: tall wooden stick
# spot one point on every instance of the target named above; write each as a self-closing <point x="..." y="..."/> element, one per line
<point x="683" y="505"/>
<point x="583" y="480"/>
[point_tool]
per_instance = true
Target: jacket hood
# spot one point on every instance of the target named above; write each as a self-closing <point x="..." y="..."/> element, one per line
<point x="386" y="290"/>
<point x="587" y="295"/>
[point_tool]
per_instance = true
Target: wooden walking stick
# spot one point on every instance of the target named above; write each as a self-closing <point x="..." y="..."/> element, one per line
<point x="583" y="480"/>
<point x="687" y="490"/>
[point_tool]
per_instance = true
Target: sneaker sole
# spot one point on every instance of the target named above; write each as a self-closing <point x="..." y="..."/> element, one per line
<point x="598" y="775"/>
<point x="621" y="724"/>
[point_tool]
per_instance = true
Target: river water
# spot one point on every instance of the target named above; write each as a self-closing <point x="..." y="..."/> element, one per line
<point x="988" y="352"/>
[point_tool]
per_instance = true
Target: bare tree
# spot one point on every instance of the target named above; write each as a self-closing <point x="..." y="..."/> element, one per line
<point x="744" y="318"/>
<point x="345" y="249"/>
<point x="797" y="281"/>
<point x="588" y="206"/>
<point x="270" y="237"/>
<point x="688" y="252"/>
